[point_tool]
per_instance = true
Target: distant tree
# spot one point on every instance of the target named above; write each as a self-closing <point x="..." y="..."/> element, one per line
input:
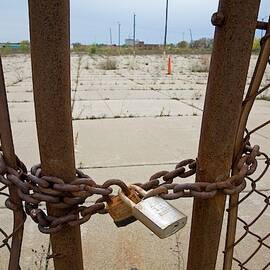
<point x="92" y="49"/>
<point x="202" y="43"/>
<point x="76" y="45"/>
<point x="25" y="45"/>
<point x="170" y="46"/>
<point x="183" y="44"/>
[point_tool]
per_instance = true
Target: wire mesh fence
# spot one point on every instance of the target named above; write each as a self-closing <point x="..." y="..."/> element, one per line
<point x="252" y="242"/>
<point x="4" y="235"/>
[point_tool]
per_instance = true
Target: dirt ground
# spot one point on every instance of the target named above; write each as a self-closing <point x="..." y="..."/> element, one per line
<point x="130" y="122"/>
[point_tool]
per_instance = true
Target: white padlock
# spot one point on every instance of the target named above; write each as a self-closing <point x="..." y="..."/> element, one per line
<point x="159" y="216"/>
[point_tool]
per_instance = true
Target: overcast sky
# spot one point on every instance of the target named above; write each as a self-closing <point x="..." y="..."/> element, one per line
<point x="92" y="19"/>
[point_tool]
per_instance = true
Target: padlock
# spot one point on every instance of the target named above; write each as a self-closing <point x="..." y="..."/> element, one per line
<point x="159" y="216"/>
<point x="119" y="211"/>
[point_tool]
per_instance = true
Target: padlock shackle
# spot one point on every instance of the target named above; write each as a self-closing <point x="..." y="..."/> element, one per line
<point x="125" y="198"/>
<point x="140" y="190"/>
<point x="118" y="183"/>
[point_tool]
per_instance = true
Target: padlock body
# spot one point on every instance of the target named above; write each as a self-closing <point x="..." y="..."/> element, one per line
<point x="120" y="212"/>
<point x="159" y="216"/>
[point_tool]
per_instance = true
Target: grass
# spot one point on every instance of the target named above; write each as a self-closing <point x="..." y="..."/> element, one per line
<point x="197" y="95"/>
<point x="126" y="50"/>
<point x="19" y="76"/>
<point x="130" y="116"/>
<point x="41" y="258"/>
<point x="264" y="97"/>
<point x="108" y="64"/>
<point x="76" y="139"/>
<point x="93" y="50"/>
<point x="87" y="66"/>
<point x="76" y="81"/>
<point x="202" y="65"/>
<point x="163" y="113"/>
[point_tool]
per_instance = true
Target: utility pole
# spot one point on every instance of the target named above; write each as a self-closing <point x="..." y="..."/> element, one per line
<point x="111" y="36"/>
<point x="191" y="37"/>
<point x="166" y="25"/>
<point x="119" y="35"/>
<point x="134" y="33"/>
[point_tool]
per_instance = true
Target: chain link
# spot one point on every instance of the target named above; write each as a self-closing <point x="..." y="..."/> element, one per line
<point x="35" y="188"/>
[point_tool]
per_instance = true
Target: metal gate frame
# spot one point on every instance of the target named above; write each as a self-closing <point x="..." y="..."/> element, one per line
<point x="223" y="125"/>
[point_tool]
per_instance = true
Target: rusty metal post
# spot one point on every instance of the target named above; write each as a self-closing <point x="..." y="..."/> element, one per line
<point x="50" y="52"/>
<point x="10" y="159"/>
<point x="246" y="108"/>
<point x="235" y="24"/>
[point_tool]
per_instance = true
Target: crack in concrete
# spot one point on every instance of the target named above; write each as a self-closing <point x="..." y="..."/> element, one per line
<point x="127" y="165"/>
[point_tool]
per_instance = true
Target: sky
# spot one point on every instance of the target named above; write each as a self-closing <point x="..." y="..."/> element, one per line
<point x="91" y="20"/>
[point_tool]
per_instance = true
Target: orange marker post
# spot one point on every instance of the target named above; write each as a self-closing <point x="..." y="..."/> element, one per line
<point x="169" y="65"/>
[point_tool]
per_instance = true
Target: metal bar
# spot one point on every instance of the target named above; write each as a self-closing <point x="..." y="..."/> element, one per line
<point x="236" y="23"/>
<point x="166" y="26"/>
<point x="134" y="33"/>
<point x="246" y="108"/>
<point x="50" y="52"/>
<point x="262" y="25"/>
<point x="10" y="159"/>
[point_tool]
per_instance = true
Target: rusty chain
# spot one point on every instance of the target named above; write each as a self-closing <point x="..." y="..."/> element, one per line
<point x="248" y="229"/>
<point x="35" y="188"/>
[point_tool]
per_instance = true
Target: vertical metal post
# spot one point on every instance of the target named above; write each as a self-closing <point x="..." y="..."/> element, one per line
<point x="191" y="38"/>
<point x="134" y="33"/>
<point x="246" y="108"/>
<point x="119" y="35"/>
<point x="10" y="159"/>
<point x="236" y="23"/>
<point x="111" y="36"/>
<point x="166" y="25"/>
<point x="50" y="51"/>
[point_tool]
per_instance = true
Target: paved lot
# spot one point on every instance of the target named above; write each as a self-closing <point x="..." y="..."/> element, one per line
<point x="128" y="123"/>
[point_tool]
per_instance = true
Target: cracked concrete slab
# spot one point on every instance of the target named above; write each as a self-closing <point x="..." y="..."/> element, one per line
<point x="132" y="149"/>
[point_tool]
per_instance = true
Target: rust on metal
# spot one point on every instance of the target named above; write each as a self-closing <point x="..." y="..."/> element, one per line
<point x="218" y="19"/>
<point x="225" y="89"/>
<point x="223" y="146"/>
<point x="262" y="25"/>
<point x="10" y="159"/>
<point x="50" y="52"/>
<point x="35" y="188"/>
<point x="253" y="91"/>
<point x="251" y="256"/>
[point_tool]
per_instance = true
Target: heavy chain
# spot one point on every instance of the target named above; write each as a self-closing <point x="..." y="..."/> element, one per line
<point x="35" y="188"/>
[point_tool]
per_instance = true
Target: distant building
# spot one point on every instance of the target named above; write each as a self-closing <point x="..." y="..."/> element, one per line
<point x="141" y="44"/>
<point x="10" y="45"/>
<point x="129" y="42"/>
<point x="146" y="46"/>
